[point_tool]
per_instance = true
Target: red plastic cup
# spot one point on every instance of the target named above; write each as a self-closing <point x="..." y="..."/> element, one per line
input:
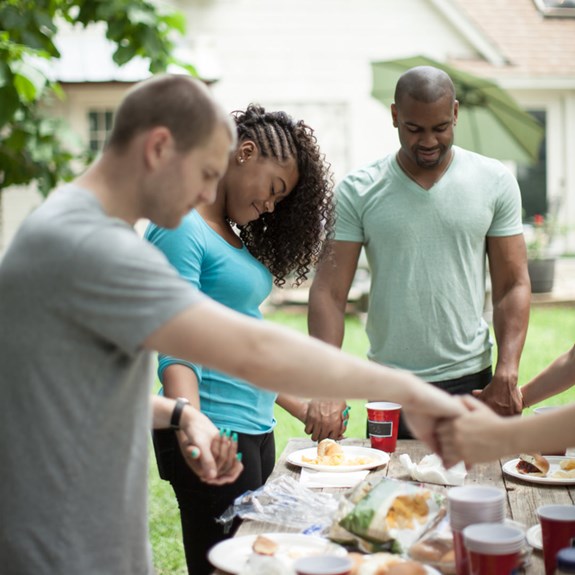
<point x="493" y="548"/>
<point x="382" y="424"/>
<point x="461" y="558"/>
<point x="557" y="530"/>
<point x="323" y="565"/>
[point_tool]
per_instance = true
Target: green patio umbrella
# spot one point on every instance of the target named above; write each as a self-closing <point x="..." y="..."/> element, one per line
<point x="490" y="122"/>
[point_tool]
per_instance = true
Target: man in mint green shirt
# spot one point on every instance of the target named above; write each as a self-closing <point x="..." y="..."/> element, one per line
<point x="427" y="216"/>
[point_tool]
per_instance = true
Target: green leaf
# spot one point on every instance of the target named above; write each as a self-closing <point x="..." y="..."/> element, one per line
<point x="30" y="81"/>
<point x="25" y="88"/>
<point x="124" y="54"/>
<point x="175" y="21"/>
<point x="10" y="104"/>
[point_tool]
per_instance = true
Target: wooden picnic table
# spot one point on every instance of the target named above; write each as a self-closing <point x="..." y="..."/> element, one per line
<point x="523" y="498"/>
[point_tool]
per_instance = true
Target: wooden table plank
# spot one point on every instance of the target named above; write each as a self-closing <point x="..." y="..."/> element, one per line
<point x="522" y="500"/>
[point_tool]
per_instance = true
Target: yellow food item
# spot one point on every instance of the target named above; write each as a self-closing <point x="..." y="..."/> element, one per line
<point x="563" y="474"/>
<point x="406" y="509"/>
<point x="567" y="464"/>
<point x="330" y="452"/>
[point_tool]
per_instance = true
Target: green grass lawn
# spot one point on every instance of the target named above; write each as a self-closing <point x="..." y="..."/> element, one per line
<point x="550" y="333"/>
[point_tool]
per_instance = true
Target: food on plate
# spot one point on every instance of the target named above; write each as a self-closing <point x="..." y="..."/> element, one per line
<point x="263" y="545"/>
<point x="384" y="564"/>
<point x="564" y="474"/>
<point x="532" y="464"/>
<point x="407" y="568"/>
<point x="567" y="464"/>
<point x="433" y="551"/>
<point x="435" y="548"/>
<point x="329" y="448"/>
<point x="329" y="452"/>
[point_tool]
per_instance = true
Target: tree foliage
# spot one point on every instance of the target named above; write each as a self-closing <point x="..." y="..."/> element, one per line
<point x="33" y="146"/>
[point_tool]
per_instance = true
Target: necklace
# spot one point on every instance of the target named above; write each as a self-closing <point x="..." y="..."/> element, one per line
<point x="422" y="181"/>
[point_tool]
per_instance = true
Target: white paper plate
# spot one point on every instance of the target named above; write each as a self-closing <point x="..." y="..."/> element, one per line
<point x="376" y="457"/>
<point x="534" y="537"/>
<point x="231" y="555"/>
<point x="510" y="469"/>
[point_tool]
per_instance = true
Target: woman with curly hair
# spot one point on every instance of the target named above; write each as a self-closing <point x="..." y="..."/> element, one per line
<point x="271" y="216"/>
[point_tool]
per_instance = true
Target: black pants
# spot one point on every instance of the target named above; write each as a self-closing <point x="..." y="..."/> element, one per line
<point x="200" y="503"/>
<point x="458" y="386"/>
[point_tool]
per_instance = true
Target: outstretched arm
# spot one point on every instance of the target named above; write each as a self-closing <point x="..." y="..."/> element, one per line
<point x="481" y="435"/>
<point x="283" y="360"/>
<point x="555" y="378"/>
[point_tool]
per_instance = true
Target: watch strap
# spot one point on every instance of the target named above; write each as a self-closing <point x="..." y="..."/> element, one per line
<point x="181" y="402"/>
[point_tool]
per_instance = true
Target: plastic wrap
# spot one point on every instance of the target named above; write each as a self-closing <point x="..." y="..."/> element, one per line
<point x="284" y="501"/>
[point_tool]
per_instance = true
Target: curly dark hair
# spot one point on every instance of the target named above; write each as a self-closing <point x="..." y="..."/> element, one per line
<point x="290" y="239"/>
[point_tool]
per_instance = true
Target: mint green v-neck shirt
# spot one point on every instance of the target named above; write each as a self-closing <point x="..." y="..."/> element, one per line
<point x="426" y="251"/>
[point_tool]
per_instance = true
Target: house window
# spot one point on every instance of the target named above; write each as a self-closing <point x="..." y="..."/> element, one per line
<point x="99" y="126"/>
<point x="556" y="8"/>
<point x="532" y="178"/>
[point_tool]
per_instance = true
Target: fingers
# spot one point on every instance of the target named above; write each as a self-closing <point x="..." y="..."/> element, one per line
<point x="326" y="419"/>
<point x="225" y="451"/>
<point x="477" y="392"/>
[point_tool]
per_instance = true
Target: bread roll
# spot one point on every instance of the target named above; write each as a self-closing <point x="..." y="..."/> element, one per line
<point x="533" y="464"/>
<point x="329" y="448"/>
<point x="264" y="546"/>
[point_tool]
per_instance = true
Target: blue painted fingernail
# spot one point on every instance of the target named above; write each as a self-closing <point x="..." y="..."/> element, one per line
<point x="195" y="453"/>
<point x="239" y="456"/>
<point x="228" y="432"/>
<point x="221" y="432"/>
<point x="234" y="436"/>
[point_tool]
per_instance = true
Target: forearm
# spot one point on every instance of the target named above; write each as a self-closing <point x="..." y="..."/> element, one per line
<point x="545" y="433"/>
<point x="180" y="381"/>
<point x="295" y="406"/>
<point x="510" y="321"/>
<point x="555" y="378"/>
<point x="326" y="317"/>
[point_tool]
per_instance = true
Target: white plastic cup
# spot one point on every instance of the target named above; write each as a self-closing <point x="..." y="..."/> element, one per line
<point x="323" y="565"/>
<point x="468" y="505"/>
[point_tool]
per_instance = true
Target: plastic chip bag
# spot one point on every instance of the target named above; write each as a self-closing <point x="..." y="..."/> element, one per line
<point x="393" y="515"/>
<point x="284" y="501"/>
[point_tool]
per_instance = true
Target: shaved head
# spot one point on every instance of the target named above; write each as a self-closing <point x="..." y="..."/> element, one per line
<point x="425" y="84"/>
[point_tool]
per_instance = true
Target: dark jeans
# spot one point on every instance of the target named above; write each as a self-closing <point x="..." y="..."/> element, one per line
<point x="200" y="503"/>
<point x="458" y="386"/>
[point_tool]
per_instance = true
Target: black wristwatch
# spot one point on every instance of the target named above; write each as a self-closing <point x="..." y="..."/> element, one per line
<point x="181" y="402"/>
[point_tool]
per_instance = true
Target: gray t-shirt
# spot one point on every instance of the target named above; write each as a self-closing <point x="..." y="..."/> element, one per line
<point x="79" y="293"/>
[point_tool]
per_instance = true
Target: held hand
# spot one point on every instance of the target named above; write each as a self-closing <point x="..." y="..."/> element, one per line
<point x="425" y="407"/>
<point x="326" y="419"/>
<point x="502" y="395"/>
<point x="210" y="455"/>
<point x="473" y="437"/>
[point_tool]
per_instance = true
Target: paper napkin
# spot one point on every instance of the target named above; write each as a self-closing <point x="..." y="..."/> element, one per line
<point x="431" y="470"/>
<point x="312" y="478"/>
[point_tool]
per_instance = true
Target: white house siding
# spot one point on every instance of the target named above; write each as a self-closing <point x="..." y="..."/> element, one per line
<point x="312" y="59"/>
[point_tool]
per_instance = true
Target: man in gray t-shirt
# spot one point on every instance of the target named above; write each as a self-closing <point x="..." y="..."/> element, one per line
<point x="84" y="301"/>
